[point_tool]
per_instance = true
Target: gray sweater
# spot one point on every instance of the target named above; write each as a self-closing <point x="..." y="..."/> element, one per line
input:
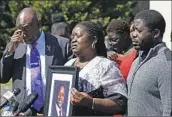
<point x="150" y="84"/>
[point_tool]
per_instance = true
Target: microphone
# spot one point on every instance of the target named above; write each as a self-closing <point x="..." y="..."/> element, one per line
<point x="26" y="113"/>
<point x="9" y="96"/>
<point x="14" y="105"/>
<point x="6" y="111"/>
<point x="24" y="105"/>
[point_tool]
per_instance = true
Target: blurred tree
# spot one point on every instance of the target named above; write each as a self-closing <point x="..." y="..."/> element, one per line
<point x="99" y="11"/>
<point x="5" y="22"/>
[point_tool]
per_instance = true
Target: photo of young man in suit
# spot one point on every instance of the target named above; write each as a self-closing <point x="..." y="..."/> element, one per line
<point x="59" y="103"/>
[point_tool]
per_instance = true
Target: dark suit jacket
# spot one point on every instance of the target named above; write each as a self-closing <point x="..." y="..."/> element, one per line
<point x="15" y="66"/>
<point x="65" y="46"/>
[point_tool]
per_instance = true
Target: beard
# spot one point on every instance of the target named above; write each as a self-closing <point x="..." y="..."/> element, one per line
<point x="146" y="45"/>
<point x="30" y="40"/>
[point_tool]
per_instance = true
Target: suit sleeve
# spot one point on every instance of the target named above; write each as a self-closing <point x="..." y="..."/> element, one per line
<point x="6" y="67"/>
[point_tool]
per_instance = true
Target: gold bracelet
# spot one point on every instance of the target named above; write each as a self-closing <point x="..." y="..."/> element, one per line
<point x="93" y="104"/>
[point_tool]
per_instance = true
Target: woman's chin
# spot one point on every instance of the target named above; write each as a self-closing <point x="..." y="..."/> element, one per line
<point x="75" y="51"/>
<point x="137" y="47"/>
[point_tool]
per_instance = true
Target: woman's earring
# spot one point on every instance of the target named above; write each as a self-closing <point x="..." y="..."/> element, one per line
<point x="94" y="42"/>
<point x="93" y="46"/>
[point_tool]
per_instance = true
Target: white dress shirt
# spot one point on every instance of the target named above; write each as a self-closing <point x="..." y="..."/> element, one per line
<point x="58" y="111"/>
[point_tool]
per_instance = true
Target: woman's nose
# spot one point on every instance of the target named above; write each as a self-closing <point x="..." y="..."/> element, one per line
<point x="74" y="39"/>
<point x="133" y="34"/>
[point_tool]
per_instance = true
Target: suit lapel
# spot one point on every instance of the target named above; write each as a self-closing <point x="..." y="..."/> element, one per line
<point x="20" y="62"/>
<point x="20" y="51"/>
<point x="63" y="113"/>
<point x="48" y="53"/>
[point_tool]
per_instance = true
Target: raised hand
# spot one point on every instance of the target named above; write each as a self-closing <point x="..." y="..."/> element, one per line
<point x="80" y="98"/>
<point x="112" y="55"/>
<point x="18" y="37"/>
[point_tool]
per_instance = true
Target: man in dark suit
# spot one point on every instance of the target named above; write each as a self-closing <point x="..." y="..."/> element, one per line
<point x="60" y="30"/>
<point x="64" y="45"/>
<point x="59" y="101"/>
<point x="17" y="61"/>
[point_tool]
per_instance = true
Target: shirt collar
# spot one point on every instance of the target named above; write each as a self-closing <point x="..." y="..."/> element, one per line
<point x="40" y="41"/>
<point x="58" y="108"/>
<point x="154" y="51"/>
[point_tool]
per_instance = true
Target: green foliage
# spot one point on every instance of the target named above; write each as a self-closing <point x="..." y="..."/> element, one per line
<point x="73" y="11"/>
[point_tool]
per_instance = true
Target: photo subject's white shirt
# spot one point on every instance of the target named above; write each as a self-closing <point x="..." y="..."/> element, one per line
<point x="58" y="111"/>
<point x="41" y="49"/>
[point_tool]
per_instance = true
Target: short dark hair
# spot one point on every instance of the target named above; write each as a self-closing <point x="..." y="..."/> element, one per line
<point x="153" y="20"/>
<point x="61" y="85"/>
<point x="121" y="27"/>
<point x="118" y="25"/>
<point x="61" y="26"/>
<point x="56" y="18"/>
<point x="94" y="29"/>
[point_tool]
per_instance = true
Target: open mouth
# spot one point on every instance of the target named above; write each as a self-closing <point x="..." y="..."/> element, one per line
<point x="73" y="46"/>
<point x="135" y="43"/>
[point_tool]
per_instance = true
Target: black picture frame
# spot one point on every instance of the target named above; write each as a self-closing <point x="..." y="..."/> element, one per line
<point x="57" y="76"/>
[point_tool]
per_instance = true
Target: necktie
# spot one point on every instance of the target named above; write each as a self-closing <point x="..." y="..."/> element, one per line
<point x="60" y="112"/>
<point x="36" y="78"/>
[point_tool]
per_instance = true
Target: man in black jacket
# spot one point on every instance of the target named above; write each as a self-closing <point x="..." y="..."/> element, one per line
<point x="16" y="62"/>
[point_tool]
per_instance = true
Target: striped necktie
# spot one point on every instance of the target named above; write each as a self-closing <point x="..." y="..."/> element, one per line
<point x="36" y="78"/>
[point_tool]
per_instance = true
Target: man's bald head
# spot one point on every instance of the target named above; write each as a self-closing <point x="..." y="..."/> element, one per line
<point x="28" y="22"/>
<point x="26" y="16"/>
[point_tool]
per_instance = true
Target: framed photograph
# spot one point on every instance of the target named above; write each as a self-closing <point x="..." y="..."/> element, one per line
<point x="59" y="83"/>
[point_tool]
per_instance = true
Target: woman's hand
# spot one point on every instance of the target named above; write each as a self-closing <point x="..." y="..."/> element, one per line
<point x="80" y="98"/>
<point x="112" y="55"/>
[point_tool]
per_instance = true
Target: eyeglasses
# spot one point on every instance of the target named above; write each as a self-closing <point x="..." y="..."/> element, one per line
<point x="22" y="26"/>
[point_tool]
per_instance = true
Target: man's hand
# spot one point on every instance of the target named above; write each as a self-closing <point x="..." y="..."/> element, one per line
<point x="80" y="98"/>
<point x="15" y="40"/>
<point x="39" y="114"/>
<point x="112" y="55"/>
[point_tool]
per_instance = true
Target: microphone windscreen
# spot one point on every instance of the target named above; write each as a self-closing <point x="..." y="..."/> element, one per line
<point x="24" y="105"/>
<point x="31" y="98"/>
<point x="14" y="105"/>
<point x="27" y="113"/>
<point x="16" y="91"/>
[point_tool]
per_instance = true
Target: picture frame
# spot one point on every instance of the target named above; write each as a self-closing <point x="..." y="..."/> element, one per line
<point x="59" y="83"/>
